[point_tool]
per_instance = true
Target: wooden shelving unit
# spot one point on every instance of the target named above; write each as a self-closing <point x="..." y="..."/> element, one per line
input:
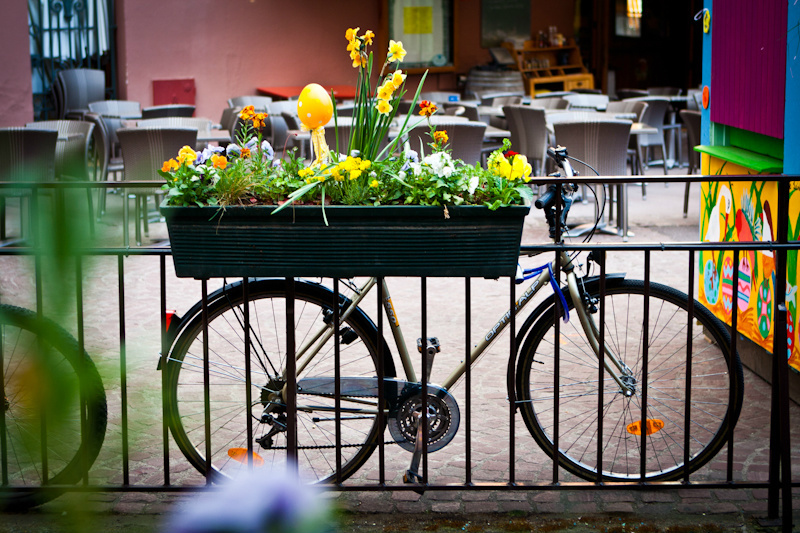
<point x="555" y="68"/>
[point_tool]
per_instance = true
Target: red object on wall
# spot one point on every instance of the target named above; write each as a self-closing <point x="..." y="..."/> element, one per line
<point x="748" y="64"/>
<point x="167" y="92"/>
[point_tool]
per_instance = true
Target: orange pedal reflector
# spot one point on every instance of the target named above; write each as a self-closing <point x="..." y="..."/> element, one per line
<point x="240" y="454"/>
<point x="654" y="425"/>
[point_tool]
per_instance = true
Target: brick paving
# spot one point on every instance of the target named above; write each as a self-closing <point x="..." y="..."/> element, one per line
<point x="656" y="219"/>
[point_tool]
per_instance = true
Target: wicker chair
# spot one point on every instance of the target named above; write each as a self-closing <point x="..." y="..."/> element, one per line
<point x="26" y="155"/>
<point x="169" y="110"/>
<point x="144" y="150"/>
<point x="465" y="138"/>
<point x="528" y="127"/>
<point x="76" y="88"/>
<point x="260" y="103"/>
<point x="692" y="121"/>
<point x="603" y="144"/>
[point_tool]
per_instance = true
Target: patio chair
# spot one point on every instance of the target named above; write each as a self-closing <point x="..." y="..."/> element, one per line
<point x="26" y="155"/>
<point x="597" y="102"/>
<point x="465" y="139"/>
<point x="169" y="110"/>
<point x="76" y="88"/>
<point x="105" y="163"/>
<point x="144" y="151"/>
<point x="550" y="103"/>
<point x="692" y="121"/>
<point x="260" y="103"/>
<point x="113" y="113"/>
<point x="603" y="144"/>
<point x="654" y="116"/>
<point x="528" y="127"/>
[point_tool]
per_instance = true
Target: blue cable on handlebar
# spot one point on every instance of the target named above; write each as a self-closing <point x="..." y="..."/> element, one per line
<point x="533" y="272"/>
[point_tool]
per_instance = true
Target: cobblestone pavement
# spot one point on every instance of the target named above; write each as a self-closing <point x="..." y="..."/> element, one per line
<point x="655" y="219"/>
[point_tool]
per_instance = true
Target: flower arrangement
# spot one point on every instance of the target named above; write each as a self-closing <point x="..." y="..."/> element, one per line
<point x="371" y="171"/>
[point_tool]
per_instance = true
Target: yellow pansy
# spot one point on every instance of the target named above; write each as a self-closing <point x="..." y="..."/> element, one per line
<point x="374" y="184"/>
<point x="187" y="155"/>
<point x="396" y="51"/>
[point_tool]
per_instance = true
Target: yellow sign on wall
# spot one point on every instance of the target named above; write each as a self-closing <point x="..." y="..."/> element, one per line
<point x="746" y="212"/>
<point x="418" y="20"/>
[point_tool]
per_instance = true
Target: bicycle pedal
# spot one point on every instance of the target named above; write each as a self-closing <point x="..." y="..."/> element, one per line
<point x="431" y="349"/>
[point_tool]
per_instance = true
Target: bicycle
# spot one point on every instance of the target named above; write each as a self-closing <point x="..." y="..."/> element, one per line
<point x="54" y="409"/>
<point x="716" y="376"/>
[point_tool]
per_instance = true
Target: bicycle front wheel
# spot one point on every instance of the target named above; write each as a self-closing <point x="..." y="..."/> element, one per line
<point x="45" y="439"/>
<point x="227" y="387"/>
<point x="714" y="402"/>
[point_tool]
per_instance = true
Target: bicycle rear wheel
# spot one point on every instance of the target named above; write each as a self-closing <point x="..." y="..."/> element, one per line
<point x="715" y="400"/>
<point x="42" y="440"/>
<point x="227" y="389"/>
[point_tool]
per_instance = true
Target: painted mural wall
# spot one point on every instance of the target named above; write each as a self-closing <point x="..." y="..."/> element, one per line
<point x="746" y="212"/>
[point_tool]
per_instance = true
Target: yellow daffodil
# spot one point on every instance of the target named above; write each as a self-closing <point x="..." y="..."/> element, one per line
<point x="396" y="51"/>
<point x="368" y="36"/>
<point x="385" y="91"/>
<point x="398" y="78"/>
<point x="383" y="107"/>
<point x="351" y="34"/>
<point x="219" y="161"/>
<point x="359" y="59"/>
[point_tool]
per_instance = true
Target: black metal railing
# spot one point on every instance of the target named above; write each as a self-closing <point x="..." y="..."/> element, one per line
<point x="169" y="473"/>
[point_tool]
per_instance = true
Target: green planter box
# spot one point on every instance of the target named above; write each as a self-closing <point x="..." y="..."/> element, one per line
<point x="359" y="241"/>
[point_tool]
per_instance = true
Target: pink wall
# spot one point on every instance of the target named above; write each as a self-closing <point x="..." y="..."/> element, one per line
<point x="232" y="47"/>
<point x="16" y="97"/>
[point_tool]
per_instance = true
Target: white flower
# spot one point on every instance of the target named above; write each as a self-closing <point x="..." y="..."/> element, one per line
<point x="473" y="184"/>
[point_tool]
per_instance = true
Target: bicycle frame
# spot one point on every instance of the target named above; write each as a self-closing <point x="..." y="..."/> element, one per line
<point x="305" y="354"/>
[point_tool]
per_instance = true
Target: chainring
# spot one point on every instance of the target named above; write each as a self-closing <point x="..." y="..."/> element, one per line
<point x="443" y="418"/>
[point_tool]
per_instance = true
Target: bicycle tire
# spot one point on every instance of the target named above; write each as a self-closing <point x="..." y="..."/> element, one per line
<point x="44" y="371"/>
<point x="315" y="438"/>
<point x="716" y="393"/>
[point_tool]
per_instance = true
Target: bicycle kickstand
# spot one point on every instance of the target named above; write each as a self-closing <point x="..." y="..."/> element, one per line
<point x="412" y="474"/>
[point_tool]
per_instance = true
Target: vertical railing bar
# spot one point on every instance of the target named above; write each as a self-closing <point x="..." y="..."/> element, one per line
<point x="468" y="395"/>
<point x="556" y="359"/>
<point x="123" y="371"/>
<point x="337" y="381"/>
<point x="248" y="378"/>
<point x="645" y="363"/>
<point x="780" y="374"/>
<point x="381" y="375"/>
<point x="425" y="377"/>
<point x="291" y="376"/>
<point x="731" y="370"/>
<point x="39" y="313"/>
<point x="689" y="341"/>
<point x="600" y="259"/>
<point x="164" y="366"/>
<point x="206" y="382"/>
<point x="85" y="463"/>
<point x="512" y="406"/>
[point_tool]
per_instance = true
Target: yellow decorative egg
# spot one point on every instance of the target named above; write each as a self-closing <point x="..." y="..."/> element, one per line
<point x="314" y="106"/>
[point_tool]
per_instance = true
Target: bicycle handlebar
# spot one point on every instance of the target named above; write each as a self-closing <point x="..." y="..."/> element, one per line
<point x="547" y="200"/>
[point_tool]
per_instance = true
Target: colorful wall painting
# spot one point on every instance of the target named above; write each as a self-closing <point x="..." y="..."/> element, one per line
<point x="744" y="212"/>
